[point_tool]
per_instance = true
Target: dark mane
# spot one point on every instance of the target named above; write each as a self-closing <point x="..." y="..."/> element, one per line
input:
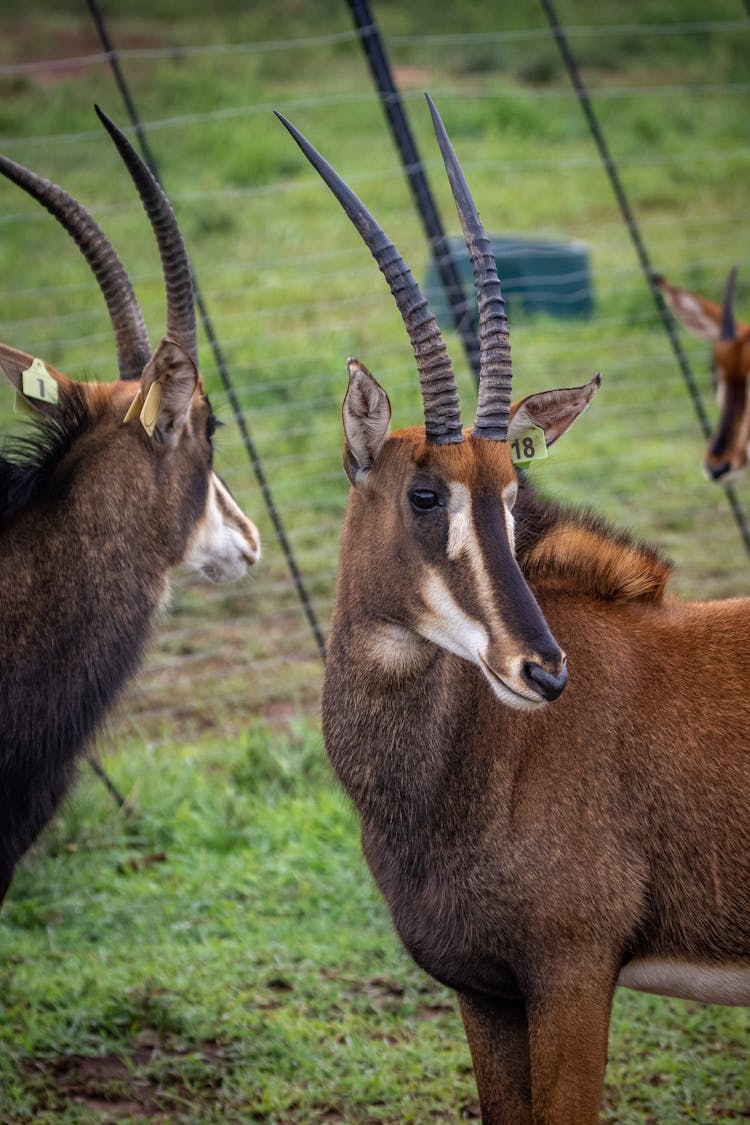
<point x="577" y="550"/>
<point x="28" y="460"/>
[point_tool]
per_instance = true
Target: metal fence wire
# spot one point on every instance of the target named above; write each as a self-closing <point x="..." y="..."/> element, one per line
<point x="276" y="315"/>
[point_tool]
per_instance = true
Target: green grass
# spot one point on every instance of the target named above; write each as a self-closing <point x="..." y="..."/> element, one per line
<point x="220" y="954"/>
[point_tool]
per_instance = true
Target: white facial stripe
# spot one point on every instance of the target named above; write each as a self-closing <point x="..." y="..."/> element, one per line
<point x="226" y="541"/>
<point x="234" y="515"/>
<point x="459" y="519"/>
<point x="447" y="625"/>
<point x="509" y="498"/>
<point x="711" y="984"/>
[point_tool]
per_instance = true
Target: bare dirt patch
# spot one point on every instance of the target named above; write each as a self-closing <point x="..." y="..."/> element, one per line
<point x="54" y="51"/>
<point x="119" y="1085"/>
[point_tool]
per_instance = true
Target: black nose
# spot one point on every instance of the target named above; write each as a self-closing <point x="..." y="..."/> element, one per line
<point x="548" y="685"/>
<point x="716" y="472"/>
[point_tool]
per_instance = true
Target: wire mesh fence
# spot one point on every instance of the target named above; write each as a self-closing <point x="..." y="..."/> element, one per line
<point x="291" y="291"/>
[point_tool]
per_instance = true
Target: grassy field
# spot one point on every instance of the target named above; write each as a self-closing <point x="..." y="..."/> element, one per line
<point x="218" y="954"/>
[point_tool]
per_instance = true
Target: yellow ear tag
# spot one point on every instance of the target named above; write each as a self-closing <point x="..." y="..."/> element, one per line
<point x="22" y="405"/>
<point x="151" y="406"/>
<point x="134" y="408"/>
<point x="528" y="446"/>
<point x="36" y="382"/>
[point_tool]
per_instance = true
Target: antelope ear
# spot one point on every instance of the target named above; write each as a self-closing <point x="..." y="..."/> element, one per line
<point x="699" y="315"/>
<point x="551" y="411"/>
<point x="168" y="382"/>
<point x="40" y="385"/>
<point x="367" y="418"/>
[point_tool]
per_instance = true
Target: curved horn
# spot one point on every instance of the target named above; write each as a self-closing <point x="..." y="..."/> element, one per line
<point x="728" y="323"/>
<point x="174" y="260"/>
<point x="131" y="337"/>
<point x="493" y="406"/>
<point x="436" y="378"/>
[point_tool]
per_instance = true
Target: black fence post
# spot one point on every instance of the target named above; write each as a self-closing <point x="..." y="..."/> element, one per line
<point x="640" y="248"/>
<point x="239" y="417"/>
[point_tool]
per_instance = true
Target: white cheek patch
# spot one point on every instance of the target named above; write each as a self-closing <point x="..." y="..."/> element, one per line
<point x="226" y="541"/>
<point x="394" y="648"/>
<point x="459" y="519"/>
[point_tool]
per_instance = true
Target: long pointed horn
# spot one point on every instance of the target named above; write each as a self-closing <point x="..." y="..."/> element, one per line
<point x="728" y="322"/>
<point x="436" y="378"/>
<point x="131" y="337"/>
<point x="493" y="406"/>
<point x="175" y="265"/>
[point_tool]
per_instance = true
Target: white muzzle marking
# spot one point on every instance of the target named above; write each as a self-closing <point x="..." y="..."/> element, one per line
<point x="446" y="624"/>
<point x="226" y="542"/>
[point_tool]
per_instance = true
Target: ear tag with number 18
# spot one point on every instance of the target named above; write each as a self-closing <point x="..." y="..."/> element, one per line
<point x="528" y="446"/>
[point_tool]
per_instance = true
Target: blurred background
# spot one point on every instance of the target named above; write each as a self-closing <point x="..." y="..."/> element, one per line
<point x="292" y="292"/>
<point x="217" y="953"/>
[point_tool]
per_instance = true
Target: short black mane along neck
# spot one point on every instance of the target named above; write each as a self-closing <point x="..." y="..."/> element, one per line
<point x="28" y="460"/>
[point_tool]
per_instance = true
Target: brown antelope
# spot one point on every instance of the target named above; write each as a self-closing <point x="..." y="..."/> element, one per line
<point x="113" y="489"/>
<point x="538" y="843"/>
<point x="729" y="445"/>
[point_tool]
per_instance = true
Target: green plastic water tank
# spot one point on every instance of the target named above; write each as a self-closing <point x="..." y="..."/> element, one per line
<point x="537" y="276"/>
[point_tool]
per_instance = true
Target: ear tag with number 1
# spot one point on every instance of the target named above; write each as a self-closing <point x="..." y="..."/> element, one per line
<point x="150" y="409"/>
<point x="36" y="382"/>
<point x="528" y="446"/>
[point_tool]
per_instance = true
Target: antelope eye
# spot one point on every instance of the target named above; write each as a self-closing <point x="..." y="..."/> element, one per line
<point x="423" y="499"/>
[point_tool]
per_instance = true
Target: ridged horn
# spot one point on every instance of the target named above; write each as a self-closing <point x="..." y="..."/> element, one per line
<point x="728" y="322"/>
<point x="493" y="405"/>
<point x="131" y="337"/>
<point x="181" y="326"/>
<point x="436" y="377"/>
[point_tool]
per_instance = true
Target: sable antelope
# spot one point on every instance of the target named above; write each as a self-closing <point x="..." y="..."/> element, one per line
<point x="113" y="488"/>
<point x="729" y="445"/>
<point x="533" y="855"/>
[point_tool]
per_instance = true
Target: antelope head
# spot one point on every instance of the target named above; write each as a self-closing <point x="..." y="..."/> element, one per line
<point x="159" y="398"/>
<point x="428" y="547"/>
<point x="729" y="445"/>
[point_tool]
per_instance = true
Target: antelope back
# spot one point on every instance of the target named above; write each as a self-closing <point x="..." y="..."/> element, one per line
<point x="728" y="447"/>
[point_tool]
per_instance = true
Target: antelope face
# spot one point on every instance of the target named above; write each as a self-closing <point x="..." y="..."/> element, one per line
<point x="472" y="597"/>
<point x="210" y="533"/>
<point x="729" y="445"/>
<point x="158" y="403"/>
<point x="435" y="526"/>
<point x="427" y="552"/>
